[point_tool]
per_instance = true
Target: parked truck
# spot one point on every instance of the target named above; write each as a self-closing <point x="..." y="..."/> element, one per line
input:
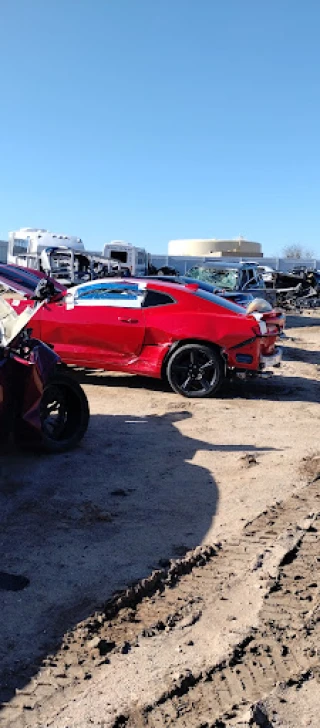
<point x="233" y="277"/>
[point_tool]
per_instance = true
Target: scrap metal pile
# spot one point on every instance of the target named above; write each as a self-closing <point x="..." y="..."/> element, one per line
<point x="298" y="290"/>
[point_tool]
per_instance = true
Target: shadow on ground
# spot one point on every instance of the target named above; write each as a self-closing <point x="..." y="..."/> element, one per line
<point x="302" y="321"/>
<point x="304" y="355"/>
<point x="277" y="388"/>
<point x="79" y="526"/>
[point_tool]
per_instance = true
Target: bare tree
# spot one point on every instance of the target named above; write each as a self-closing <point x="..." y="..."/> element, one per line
<point x="296" y="250"/>
<point x="309" y="253"/>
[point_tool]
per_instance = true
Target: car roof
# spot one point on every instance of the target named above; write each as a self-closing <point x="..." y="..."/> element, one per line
<point x="147" y="283"/>
<point x="143" y="282"/>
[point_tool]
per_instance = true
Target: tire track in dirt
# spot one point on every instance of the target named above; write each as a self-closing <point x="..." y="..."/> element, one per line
<point x="284" y="648"/>
<point x="174" y="598"/>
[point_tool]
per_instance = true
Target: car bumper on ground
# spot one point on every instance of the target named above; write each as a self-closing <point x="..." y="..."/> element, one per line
<point x="272" y="360"/>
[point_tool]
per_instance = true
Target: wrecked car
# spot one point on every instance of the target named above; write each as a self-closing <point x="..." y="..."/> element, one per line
<point x="184" y="334"/>
<point x="298" y="289"/>
<point x="39" y="403"/>
<point x="233" y="277"/>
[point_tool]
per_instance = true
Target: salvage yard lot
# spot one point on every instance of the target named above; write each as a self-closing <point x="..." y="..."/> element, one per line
<point x="156" y="476"/>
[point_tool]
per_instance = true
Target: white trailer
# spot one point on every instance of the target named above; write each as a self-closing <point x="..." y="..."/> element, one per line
<point x="61" y="256"/>
<point x="26" y="245"/>
<point x="135" y="259"/>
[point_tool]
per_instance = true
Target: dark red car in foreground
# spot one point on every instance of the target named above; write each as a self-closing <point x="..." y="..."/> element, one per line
<point x="158" y="329"/>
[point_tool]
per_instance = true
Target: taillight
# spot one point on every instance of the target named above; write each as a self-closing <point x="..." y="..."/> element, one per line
<point x="256" y="330"/>
<point x="272" y="330"/>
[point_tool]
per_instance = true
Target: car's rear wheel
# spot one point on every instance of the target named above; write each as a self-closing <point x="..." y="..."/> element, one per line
<point x="195" y="370"/>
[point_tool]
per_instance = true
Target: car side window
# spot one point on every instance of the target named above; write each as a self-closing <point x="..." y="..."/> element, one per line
<point x="243" y="277"/>
<point x="110" y="294"/>
<point x="156" y="298"/>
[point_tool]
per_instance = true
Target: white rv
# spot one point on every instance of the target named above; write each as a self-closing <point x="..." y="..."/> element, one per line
<point x="135" y="259"/>
<point x="26" y="245"/>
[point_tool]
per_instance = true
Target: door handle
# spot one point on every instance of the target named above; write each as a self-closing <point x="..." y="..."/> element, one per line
<point x="128" y="320"/>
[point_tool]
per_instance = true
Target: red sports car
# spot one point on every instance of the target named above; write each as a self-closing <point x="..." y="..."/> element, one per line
<point x="158" y="329"/>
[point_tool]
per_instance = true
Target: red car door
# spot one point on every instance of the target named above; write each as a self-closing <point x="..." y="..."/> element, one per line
<point x="99" y="325"/>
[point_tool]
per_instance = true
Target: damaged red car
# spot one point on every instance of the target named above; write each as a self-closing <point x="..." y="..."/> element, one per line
<point x="187" y="335"/>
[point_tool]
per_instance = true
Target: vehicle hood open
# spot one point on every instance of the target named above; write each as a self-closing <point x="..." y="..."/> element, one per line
<point x="23" y="281"/>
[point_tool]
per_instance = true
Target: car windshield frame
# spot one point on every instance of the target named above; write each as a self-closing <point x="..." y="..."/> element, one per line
<point x="111" y="293"/>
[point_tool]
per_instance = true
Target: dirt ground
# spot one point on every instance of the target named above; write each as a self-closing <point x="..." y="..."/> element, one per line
<point x="166" y="573"/>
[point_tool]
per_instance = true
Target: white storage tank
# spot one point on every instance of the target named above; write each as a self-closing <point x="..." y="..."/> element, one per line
<point x="215" y="248"/>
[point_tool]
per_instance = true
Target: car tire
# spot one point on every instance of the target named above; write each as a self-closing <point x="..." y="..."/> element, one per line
<point x="195" y="370"/>
<point x="64" y="395"/>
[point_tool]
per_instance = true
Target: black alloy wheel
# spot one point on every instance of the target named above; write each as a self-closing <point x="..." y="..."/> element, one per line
<point x="195" y="370"/>
<point x="64" y="413"/>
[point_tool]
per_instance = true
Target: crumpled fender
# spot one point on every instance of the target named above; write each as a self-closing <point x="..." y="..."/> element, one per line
<point x="35" y="373"/>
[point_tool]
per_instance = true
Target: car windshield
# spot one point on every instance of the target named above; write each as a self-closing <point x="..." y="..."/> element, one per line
<point x="226" y="278"/>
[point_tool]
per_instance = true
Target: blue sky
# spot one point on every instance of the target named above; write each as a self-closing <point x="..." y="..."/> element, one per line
<point x="148" y="120"/>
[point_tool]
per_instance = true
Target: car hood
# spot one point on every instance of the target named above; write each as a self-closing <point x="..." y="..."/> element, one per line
<point x="24" y="281"/>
